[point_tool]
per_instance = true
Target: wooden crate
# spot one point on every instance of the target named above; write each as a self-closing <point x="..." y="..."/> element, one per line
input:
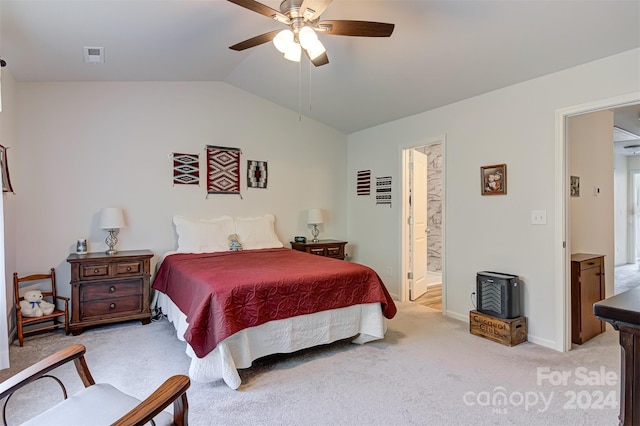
<point x="509" y="332"/>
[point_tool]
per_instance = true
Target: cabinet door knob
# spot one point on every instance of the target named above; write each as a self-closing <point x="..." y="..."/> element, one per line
<point x="112" y="289"/>
<point x="112" y="306"/>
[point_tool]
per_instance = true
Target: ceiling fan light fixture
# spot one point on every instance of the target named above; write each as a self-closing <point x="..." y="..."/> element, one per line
<point x="316" y="50"/>
<point x="307" y="37"/>
<point x="293" y="53"/>
<point x="283" y="41"/>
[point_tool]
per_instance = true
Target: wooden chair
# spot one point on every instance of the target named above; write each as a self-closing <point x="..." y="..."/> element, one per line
<point x="100" y="403"/>
<point x="50" y="295"/>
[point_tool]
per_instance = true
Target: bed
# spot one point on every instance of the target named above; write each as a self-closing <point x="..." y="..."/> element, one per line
<point x="232" y="307"/>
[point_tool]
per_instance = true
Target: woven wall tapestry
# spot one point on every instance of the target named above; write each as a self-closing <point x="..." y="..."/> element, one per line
<point x="223" y="170"/>
<point x="256" y="174"/>
<point x="364" y="182"/>
<point x="186" y="169"/>
<point x="4" y="170"/>
<point x="383" y="190"/>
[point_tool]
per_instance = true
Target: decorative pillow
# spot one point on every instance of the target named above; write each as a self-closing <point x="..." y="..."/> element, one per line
<point x="257" y="232"/>
<point x="203" y="235"/>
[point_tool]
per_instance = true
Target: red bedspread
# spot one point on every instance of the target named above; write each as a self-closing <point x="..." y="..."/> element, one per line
<point x="225" y="292"/>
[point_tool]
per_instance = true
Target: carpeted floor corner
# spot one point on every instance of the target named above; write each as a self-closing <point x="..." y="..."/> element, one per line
<point x="427" y="371"/>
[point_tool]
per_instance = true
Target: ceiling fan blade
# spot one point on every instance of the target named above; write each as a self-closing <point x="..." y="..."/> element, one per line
<point x="312" y="9"/>
<point x="320" y="60"/>
<point x="255" y="41"/>
<point x="356" y="28"/>
<point x="262" y="9"/>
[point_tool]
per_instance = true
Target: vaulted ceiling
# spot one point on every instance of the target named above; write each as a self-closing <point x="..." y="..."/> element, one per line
<point x="440" y="52"/>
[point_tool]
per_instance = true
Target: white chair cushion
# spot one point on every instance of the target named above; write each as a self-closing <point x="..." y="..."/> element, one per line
<point x="100" y="404"/>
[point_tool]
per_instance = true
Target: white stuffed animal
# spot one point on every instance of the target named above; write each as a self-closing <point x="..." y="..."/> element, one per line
<point x="34" y="306"/>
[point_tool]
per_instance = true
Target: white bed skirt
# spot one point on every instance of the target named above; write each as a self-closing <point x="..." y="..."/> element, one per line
<point x="281" y="336"/>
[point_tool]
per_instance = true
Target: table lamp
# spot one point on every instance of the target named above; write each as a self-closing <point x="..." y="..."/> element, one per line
<point x="111" y="219"/>
<point x="314" y="218"/>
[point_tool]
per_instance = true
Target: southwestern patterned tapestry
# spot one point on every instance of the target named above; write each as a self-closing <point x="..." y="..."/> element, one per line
<point x="364" y="182"/>
<point x="223" y="170"/>
<point x="186" y="169"/>
<point x="383" y="190"/>
<point x="257" y="174"/>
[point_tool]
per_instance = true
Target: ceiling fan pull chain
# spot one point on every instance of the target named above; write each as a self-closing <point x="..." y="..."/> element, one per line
<point x="300" y="91"/>
<point x="309" y="88"/>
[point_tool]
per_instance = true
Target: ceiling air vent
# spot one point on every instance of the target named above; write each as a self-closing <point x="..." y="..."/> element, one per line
<point x="93" y="55"/>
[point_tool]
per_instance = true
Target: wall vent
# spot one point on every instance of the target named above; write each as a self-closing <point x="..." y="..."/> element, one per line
<point x="93" y="55"/>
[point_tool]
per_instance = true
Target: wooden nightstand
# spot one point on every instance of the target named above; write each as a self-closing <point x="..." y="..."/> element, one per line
<point x="107" y="289"/>
<point x="326" y="248"/>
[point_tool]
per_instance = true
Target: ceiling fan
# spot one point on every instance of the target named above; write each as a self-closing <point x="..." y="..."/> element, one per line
<point x="303" y="19"/>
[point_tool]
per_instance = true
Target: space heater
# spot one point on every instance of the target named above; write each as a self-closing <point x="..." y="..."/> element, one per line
<point x="498" y="294"/>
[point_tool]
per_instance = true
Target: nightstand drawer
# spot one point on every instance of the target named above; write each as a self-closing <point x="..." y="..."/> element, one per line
<point x="316" y="250"/>
<point x="128" y="268"/>
<point x="334" y="251"/>
<point x="94" y="271"/>
<point x="112" y="289"/>
<point x="116" y="305"/>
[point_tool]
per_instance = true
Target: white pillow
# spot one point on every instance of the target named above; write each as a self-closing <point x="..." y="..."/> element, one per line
<point x="257" y="232"/>
<point x="203" y="235"/>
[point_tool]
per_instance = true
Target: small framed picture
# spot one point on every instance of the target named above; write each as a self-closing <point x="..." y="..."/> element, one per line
<point x="493" y="179"/>
<point x="575" y="186"/>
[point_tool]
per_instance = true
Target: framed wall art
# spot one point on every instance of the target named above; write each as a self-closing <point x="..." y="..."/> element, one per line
<point x="493" y="179"/>
<point x="4" y="170"/>
<point x="575" y="186"/>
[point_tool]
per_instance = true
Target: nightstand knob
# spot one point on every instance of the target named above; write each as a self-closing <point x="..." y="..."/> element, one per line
<point x="128" y="268"/>
<point x="95" y="271"/>
<point x="112" y="289"/>
<point x="112" y="306"/>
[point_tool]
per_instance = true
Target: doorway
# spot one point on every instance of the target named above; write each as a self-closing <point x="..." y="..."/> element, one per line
<point x="627" y="274"/>
<point x="423" y="245"/>
<point x="563" y="241"/>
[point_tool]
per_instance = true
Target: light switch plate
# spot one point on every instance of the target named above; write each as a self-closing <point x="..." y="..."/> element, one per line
<point x="538" y="217"/>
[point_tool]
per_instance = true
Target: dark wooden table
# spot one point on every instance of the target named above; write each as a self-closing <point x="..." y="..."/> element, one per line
<point x="623" y="312"/>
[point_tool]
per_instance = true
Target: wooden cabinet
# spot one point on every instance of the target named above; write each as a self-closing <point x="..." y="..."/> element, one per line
<point x="326" y="248"/>
<point x="587" y="288"/>
<point x="622" y="311"/>
<point x="107" y="289"/>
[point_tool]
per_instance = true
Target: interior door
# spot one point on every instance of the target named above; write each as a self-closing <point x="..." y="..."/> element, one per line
<point x="418" y="224"/>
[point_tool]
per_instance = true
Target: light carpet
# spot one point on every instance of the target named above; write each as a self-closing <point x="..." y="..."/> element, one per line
<point x="427" y="371"/>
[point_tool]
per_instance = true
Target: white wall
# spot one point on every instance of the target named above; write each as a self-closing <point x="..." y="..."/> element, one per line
<point x="516" y="126"/>
<point x="7" y="205"/>
<point x="621" y="208"/>
<point x="8" y="138"/>
<point x="83" y="146"/>
<point x="591" y="216"/>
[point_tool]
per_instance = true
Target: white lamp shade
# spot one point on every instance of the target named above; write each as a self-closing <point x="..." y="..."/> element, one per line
<point x="111" y="218"/>
<point x="294" y="52"/>
<point x="316" y="50"/>
<point x="314" y="216"/>
<point x="283" y="40"/>
<point x="307" y="37"/>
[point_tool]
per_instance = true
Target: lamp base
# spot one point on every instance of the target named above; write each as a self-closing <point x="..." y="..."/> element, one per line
<point x="315" y="233"/>
<point x="111" y="242"/>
